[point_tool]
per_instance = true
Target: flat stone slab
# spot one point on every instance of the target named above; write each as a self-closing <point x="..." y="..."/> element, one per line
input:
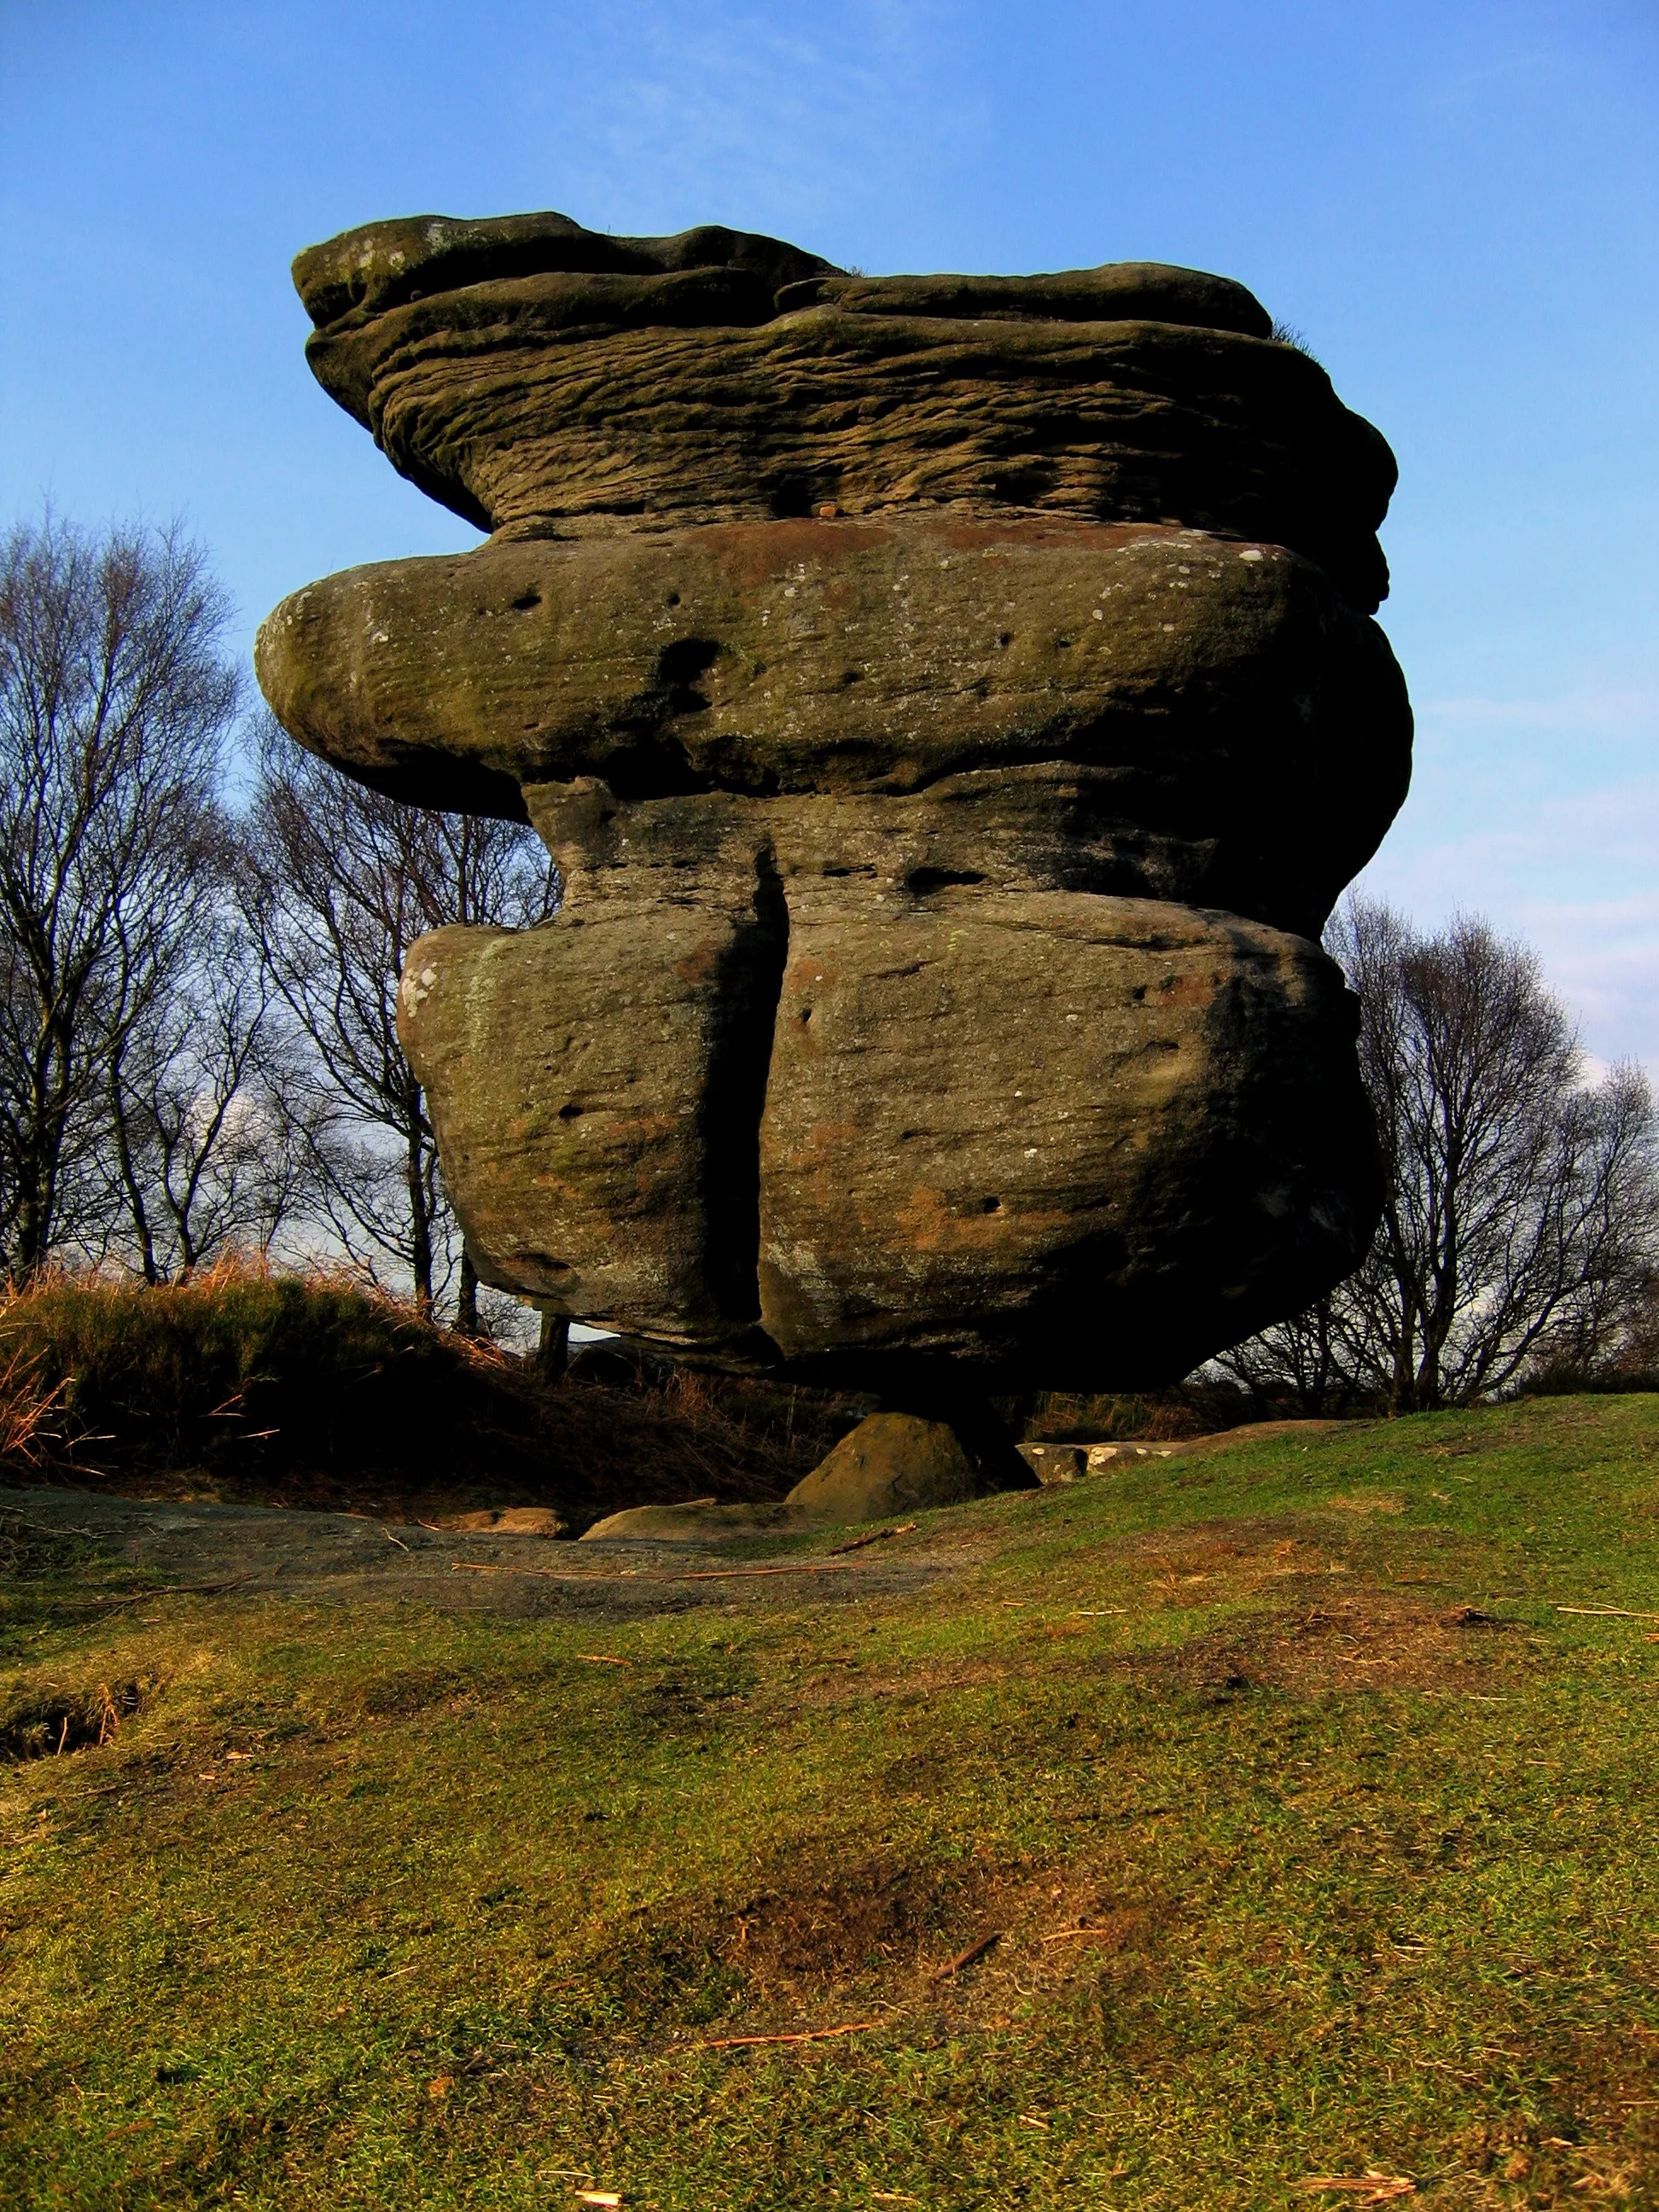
<point x="275" y="1553"/>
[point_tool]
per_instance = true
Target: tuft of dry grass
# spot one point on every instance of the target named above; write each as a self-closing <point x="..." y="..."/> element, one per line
<point x="315" y="1389"/>
<point x="26" y="1409"/>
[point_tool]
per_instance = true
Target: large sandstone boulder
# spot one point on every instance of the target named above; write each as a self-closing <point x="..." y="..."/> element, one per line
<point x="954" y="708"/>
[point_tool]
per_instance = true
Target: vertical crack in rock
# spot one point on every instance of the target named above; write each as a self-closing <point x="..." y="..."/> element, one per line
<point x="748" y="986"/>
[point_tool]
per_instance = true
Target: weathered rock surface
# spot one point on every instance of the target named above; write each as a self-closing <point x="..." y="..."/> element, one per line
<point x="508" y="1520"/>
<point x="1051" y="1124"/>
<point x="362" y="272"/>
<point x="1233" y="733"/>
<point x="952" y="704"/>
<point x="892" y="1463"/>
<point x="1055" y="1465"/>
<point x="698" y="1521"/>
<point x="597" y="1091"/>
<point x="1048" y="1133"/>
<point x="545" y="377"/>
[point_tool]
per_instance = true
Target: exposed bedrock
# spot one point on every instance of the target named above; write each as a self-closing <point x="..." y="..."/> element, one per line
<point x="1227" y="730"/>
<point x="954" y="706"/>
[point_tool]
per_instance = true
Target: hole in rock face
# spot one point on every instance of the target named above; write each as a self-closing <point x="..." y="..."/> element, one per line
<point x="805" y="1015"/>
<point x="648" y="765"/>
<point x="790" y="496"/>
<point x="990" y="1206"/>
<point x="678" y="667"/>
<point x="1023" y="486"/>
<point x="570" y="1113"/>
<point x="530" y="597"/>
<point x="672" y="600"/>
<point x="920" y="881"/>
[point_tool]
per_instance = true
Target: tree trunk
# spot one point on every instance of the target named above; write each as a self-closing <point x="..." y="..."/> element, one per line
<point x="129" y="1183"/>
<point x="552" y="1347"/>
<point x="36" y="1172"/>
<point x="420" y="1226"/>
<point x="467" y="1297"/>
<point x="31" y="1251"/>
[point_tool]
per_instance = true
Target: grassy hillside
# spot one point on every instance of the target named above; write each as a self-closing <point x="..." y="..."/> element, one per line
<point x="1288" y="1808"/>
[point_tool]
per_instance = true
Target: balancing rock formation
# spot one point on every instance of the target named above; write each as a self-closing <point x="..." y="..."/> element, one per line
<point x="953" y="704"/>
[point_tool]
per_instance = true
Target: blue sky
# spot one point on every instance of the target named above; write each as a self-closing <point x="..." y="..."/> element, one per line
<point x="1457" y="203"/>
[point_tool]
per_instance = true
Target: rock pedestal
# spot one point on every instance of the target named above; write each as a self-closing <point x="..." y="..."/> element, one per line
<point x="954" y="706"/>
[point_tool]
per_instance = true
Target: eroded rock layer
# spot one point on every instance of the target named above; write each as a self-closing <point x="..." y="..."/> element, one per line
<point x="1236" y="734"/>
<point x="954" y="707"/>
<point x="567" y="379"/>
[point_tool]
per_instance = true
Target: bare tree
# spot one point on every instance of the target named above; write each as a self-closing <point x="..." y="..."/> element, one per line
<point x="115" y="707"/>
<point x="1521" y="1224"/>
<point x="342" y="881"/>
<point x="1309" y="1360"/>
<point x="208" y="1143"/>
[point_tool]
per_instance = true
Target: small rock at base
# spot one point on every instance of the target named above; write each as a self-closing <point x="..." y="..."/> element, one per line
<point x="697" y="1521"/>
<point x="891" y="1463"/>
<point x="508" y="1520"/>
<point x="1054" y="1463"/>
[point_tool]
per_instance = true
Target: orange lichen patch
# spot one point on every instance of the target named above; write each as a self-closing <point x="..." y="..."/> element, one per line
<point x="931" y="1221"/>
<point x="750" y="554"/>
<point x="701" y="963"/>
<point x="1191" y="989"/>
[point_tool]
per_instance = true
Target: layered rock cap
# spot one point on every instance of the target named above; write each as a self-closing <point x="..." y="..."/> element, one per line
<point x="954" y="705"/>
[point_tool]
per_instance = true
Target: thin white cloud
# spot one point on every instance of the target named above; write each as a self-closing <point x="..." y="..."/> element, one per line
<point x="1618" y="713"/>
<point x="1573" y="875"/>
<point x="744" y="118"/>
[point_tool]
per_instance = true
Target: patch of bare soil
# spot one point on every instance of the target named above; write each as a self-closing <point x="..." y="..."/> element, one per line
<point x="967" y="1939"/>
<point x="1364" y="1639"/>
<point x="54" y="1724"/>
<point x="881" y="1917"/>
<point x="931" y="1931"/>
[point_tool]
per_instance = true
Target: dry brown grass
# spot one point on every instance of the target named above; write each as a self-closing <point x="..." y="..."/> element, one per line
<point x="315" y="1389"/>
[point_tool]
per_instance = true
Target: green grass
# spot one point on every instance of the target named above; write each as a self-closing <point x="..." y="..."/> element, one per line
<point x="382" y="1908"/>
